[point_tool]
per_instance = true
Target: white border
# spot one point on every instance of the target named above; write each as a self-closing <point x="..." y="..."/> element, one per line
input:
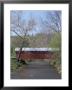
<point x="65" y="22"/>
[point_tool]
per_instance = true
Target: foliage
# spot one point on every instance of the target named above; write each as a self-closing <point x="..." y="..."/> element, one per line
<point x="55" y="40"/>
<point x="15" y="64"/>
<point x="56" y="62"/>
<point x="56" y="43"/>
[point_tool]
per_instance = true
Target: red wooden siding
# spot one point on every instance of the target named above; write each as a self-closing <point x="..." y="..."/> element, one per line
<point x="26" y="55"/>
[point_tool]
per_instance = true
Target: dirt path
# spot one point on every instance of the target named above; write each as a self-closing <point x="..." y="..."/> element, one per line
<point x="36" y="70"/>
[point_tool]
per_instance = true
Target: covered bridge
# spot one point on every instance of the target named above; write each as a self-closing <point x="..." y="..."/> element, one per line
<point x="36" y="53"/>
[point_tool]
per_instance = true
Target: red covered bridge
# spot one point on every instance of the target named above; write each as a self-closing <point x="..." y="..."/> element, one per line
<point x="36" y="53"/>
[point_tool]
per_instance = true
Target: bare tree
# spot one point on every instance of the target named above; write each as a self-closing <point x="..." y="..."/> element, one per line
<point x="52" y="23"/>
<point x="55" y="21"/>
<point x="20" y="26"/>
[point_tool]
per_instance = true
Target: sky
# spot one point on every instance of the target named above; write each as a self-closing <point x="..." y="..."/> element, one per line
<point x="38" y="15"/>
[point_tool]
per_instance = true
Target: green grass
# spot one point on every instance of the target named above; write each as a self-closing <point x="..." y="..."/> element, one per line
<point x="15" y="64"/>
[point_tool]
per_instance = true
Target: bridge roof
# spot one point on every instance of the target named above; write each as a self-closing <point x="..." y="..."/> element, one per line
<point x="37" y="49"/>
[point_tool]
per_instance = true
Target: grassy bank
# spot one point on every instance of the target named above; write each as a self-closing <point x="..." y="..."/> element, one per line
<point x="56" y="62"/>
<point x="15" y="65"/>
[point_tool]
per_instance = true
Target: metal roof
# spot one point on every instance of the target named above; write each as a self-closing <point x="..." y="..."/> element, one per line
<point x="37" y="49"/>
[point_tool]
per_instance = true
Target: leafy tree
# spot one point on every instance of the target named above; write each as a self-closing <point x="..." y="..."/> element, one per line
<point x="55" y="40"/>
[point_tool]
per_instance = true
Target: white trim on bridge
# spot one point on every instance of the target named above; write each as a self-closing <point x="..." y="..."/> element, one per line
<point x="37" y="49"/>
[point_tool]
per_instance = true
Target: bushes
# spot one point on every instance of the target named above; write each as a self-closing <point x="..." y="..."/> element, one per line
<point x="56" y="43"/>
<point x="56" y="62"/>
<point x="15" y="64"/>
